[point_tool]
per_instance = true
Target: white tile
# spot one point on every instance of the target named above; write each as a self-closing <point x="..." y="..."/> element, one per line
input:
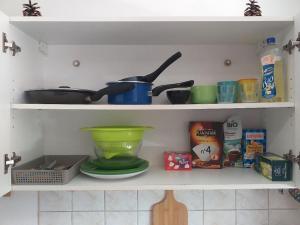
<point x="146" y="199"/>
<point x="88" y="218"/>
<point x="121" y="200"/>
<point x="219" y="199"/>
<point x="144" y="218"/>
<point x="250" y="217"/>
<point x="55" y="218"/>
<point x="252" y="199"/>
<point x="88" y="200"/>
<point x="121" y="218"/>
<point x="193" y="199"/>
<point x="284" y="217"/>
<point x="195" y="218"/>
<point x="55" y="201"/>
<point x="219" y="217"/>
<point x="21" y="208"/>
<point x="282" y="201"/>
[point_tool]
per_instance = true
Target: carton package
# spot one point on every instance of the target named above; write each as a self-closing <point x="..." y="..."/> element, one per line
<point x="253" y="144"/>
<point x="206" y="140"/>
<point x="232" y="142"/>
<point x="274" y="167"/>
<point x="178" y="161"/>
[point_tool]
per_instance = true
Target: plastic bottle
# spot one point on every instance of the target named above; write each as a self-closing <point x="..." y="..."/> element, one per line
<point x="272" y="78"/>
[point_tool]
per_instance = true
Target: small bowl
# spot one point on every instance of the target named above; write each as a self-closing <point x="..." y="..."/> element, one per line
<point x="204" y="94"/>
<point x="178" y="96"/>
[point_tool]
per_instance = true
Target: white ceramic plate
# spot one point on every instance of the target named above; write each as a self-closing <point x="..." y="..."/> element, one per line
<point x="114" y="177"/>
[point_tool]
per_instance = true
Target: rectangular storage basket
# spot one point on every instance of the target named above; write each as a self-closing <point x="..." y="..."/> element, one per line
<point x="24" y="174"/>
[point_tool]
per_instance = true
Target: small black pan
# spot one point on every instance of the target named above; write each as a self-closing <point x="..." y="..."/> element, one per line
<point x="67" y="95"/>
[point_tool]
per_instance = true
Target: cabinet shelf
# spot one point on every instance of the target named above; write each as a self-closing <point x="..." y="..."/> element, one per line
<point x="153" y="107"/>
<point x="152" y="30"/>
<point x="156" y="179"/>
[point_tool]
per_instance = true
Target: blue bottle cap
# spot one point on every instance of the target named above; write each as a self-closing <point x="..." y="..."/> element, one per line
<point x="271" y="41"/>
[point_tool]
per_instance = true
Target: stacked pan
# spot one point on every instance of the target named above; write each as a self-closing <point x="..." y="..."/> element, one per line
<point x="136" y="90"/>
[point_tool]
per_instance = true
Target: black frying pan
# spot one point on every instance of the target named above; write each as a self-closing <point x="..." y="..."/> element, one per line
<point x="152" y="76"/>
<point x="66" y="95"/>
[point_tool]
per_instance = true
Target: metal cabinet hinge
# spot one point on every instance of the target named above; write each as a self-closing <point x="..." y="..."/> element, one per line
<point x="291" y="157"/>
<point x="292" y="44"/>
<point x="10" y="161"/>
<point x="9" y="45"/>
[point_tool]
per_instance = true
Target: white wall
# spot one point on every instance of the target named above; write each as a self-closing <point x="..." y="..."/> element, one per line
<point x="96" y="8"/>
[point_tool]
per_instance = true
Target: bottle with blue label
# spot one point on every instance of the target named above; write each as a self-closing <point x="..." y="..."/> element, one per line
<point x="272" y="80"/>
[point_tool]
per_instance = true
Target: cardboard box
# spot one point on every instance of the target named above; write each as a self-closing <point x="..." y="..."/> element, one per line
<point x="206" y="144"/>
<point x="274" y="167"/>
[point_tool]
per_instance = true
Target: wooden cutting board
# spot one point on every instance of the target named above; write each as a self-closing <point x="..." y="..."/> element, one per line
<point x="169" y="212"/>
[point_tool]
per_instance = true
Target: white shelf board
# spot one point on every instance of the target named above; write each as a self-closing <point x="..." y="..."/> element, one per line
<point x="151" y="30"/>
<point x="153" y="107"/>
<point x="157" y="178"/>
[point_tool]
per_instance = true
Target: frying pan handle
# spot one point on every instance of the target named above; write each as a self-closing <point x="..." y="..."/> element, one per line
<point x="156" y="91"/>
<point x="112" y="89"/>
<point x="152" y="76"/>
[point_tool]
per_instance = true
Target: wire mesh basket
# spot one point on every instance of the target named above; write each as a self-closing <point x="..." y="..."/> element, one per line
<point x="30" y="173"/>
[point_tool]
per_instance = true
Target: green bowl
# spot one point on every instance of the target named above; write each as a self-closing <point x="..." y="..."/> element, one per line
<point x="112" y="141"/>
<point x="204" y="94"/>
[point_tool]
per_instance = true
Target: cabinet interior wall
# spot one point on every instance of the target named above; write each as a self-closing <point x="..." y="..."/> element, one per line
<point x="37" y="132"/>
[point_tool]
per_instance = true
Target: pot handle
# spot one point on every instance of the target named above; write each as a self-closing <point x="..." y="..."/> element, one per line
<point x="152" y="76"/>
<point x="158" y="90"/>
<point x="112" y="89"/>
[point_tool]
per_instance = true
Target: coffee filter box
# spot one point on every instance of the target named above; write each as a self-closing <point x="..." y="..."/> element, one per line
<point x="206" y="144"/>
<point x="232" y="142"/>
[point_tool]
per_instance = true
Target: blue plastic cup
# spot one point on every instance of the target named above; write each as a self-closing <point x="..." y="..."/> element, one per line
<point x="227" y="91"/>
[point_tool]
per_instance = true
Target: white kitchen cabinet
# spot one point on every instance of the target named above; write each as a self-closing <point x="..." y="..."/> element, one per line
<point x="5" y="112"/>
<point x="114" y="48"/>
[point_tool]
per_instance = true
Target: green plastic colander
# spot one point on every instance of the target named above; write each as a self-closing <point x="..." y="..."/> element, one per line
<point x="112" y="141"/>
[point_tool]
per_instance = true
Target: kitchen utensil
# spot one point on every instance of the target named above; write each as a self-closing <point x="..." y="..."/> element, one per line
<point x="248" y="90"/>
<point x="117" y="163"/>
<point x="227" y="92"/>
<point x="142" y="94"/>
<point x="112" y="141"/>
<point x="31" y="174"/>
<point x="204" y="94"/>
<point x="169" y="212"/>
<point x="90" y="169"/>
<point x="66" y="95"/>
<point x="152" y="76"/>
<point x="178" y="96"/>
<point x="48" y="165"/>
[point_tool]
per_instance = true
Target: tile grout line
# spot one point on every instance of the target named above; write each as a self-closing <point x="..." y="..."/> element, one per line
<point x="72" y="207"/>
<point x="137" y="207"/>
<point x="38" y="204"/>
<point x="104" y="207"/>
<point x="203" y="206"/>
<point x="235" y="206"/>
<point x="268" y="207"/>
<point x="192" y="210"/>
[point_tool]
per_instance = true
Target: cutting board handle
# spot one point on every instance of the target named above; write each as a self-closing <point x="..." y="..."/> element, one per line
<point x="169" y="211"/>
<point x="169" y="195"/>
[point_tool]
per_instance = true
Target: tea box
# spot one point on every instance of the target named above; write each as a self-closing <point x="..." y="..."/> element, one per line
<point x="274" y="167"/>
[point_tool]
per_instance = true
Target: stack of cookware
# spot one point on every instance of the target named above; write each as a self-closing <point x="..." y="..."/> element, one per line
<point x="116" y="149"/>
<point x="135" y="90"/>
